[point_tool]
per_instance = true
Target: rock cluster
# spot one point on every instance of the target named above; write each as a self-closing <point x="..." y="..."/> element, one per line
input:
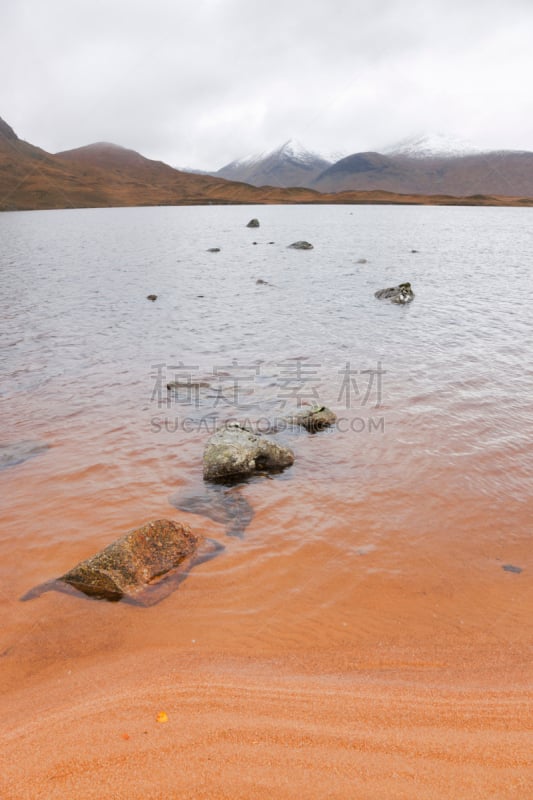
<point x="139" y="561"/>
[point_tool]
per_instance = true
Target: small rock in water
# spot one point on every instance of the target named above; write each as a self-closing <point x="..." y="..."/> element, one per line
<point x="18" y="452"/>
<point x="254" y="223"/>
<point x="400" y="295"/>
<point x="188" y="384"/>
<point x="512" y="568"/>
<point x="301" y="245"/>
<point x="234" y="450"/>
<point x="414" y="251"/>
<point x="152" y="297"/>
<point x="214" y="250"/>
<point x="362" y="261"/>
<point x="261" y="282"/>
<point x="313" y="419"/>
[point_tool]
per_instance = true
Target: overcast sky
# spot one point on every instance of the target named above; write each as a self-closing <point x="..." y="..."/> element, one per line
<point x="200" y="82"/>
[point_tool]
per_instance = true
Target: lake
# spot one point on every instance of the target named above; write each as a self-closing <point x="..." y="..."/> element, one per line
<point x="400" y="537"/>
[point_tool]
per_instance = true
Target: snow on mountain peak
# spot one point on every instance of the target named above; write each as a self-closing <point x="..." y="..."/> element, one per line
<point x="432" y="146"/>
<point x="292" y="150"/>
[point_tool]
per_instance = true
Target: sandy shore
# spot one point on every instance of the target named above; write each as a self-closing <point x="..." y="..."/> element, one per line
<point x="353" y="718"/>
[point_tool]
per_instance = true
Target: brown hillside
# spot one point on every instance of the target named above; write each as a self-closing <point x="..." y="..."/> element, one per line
<point x="496" y="173"/>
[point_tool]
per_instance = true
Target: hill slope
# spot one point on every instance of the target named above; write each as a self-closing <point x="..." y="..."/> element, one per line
<point x="500" y="173"/>
<point x="104" y="174"/>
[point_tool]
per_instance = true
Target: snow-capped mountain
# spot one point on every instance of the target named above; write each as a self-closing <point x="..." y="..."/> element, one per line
<point x="432" y="165"/>
<point x="433" y="145"/>
<point x="291" y="164"/>
<point x="428" y="164"/>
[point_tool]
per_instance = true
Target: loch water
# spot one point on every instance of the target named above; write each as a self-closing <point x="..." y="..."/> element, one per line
<point x="423" y="487"/>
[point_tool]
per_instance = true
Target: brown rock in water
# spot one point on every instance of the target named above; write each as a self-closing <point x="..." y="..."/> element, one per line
<point x="138" y="559"/>
<point x="152" y="297"/>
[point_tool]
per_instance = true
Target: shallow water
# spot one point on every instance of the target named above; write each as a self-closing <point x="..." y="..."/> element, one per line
<point x="397" y="523"/>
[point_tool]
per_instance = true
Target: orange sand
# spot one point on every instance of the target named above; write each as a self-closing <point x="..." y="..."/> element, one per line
<point x="394" y="689"/>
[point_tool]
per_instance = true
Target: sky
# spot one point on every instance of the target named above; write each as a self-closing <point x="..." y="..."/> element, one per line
<point x="198" y="83"/>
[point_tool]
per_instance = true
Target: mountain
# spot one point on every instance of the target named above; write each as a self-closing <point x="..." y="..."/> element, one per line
<point x="7" y="134"/>
<point x="104" y="175"/>
<point x="30" y="177"/>
<point x="429" y="165"/>
<point x="289" y="165"/>
<point x="508" y="173"/>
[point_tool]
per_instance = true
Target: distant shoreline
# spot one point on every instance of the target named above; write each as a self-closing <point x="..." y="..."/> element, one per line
<point x="342" y="198"/>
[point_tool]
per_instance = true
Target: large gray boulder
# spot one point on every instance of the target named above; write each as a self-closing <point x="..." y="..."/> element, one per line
<point x="234" y="450"/>
<point x="400" y="295"/>
<point x="254" y="223"/>
<point x="139" y="559"/>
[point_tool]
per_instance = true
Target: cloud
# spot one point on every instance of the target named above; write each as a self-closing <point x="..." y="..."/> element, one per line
<point x="202" y="83"/>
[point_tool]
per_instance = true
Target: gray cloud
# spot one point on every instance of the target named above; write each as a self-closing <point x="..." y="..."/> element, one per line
<point x="201" y="83"/>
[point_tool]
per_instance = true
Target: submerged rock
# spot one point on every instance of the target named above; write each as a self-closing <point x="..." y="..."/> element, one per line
<point x="302" y="245"/>
<point x="400" y="294"/>
<point x="213" y="250"/>
<point x="233" y="450"/>
<point x="152" y="297"/>
<point x="219" y="503"/>
<point x="18" y="452"/>
<point x="315" y="418"/>
<point x="139" y="559"/>
<point x="261" y="282"/>
<point x="188" y="384"/>
<point x="254" y="223"/>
